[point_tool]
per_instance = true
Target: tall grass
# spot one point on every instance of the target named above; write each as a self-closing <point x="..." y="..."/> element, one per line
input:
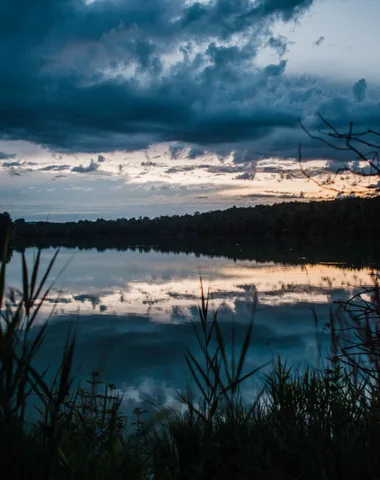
<point x="322" y="423"/>
<point x="79" y="433"/>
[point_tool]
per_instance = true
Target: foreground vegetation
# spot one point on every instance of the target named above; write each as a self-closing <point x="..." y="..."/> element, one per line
<point x="319" y="424"/>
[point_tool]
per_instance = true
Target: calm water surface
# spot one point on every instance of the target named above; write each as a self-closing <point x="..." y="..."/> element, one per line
<point x="132" y="312"/>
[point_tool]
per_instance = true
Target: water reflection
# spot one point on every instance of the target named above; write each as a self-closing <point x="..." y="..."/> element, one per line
<point x="132" y="310"/>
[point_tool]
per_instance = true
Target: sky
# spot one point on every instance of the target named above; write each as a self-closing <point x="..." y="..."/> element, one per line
<point x="122" y="108"/>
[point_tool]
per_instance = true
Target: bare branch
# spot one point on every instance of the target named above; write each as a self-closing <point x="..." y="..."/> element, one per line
<point x="309" y="176"/>
<point x="351" y="144"/>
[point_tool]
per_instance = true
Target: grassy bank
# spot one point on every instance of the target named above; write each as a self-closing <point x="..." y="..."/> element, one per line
<point x="319" y="424"/>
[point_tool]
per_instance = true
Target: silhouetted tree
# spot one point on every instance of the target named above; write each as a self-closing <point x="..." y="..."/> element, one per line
<point x="364" y="145"/>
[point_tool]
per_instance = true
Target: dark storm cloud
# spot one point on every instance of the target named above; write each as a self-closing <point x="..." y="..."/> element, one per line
<point x="312" y="99"/>
<point x="58" y="53"/>
<point x="282" y="9"/>
<point x="57" y="90"/>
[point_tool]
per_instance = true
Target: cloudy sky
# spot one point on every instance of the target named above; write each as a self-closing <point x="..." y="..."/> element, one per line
<point x="114" y="108"/>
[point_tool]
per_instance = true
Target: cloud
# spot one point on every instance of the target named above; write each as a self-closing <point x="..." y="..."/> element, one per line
<point x="91" y="167"/>
<point x="270" y="194"/>
<point x="374" y="185"/>
<point x="319" y="41"/>
<point x="7" y="156"/>
<point x="246" y="171"/>
<point x="93" y="299"/>
<point x="283" y="10"/>
<point x="279" y="44"/>
<point x="79" y="189"/>
<point x="275" y="70"/>
<point x="54" y="168"/>
<point x="184" y="168"/>
<point x="125" y="75"/>
<point x="149" y="163"/>
<point x="245" y="176"/>
<point x="196" y="152"/>
<point x="12" y="172"/>
<point x="176" y="150"/>
<point x="359" y="90"/>
<point x="11" y="164"/>
<point x="179" y="149"/>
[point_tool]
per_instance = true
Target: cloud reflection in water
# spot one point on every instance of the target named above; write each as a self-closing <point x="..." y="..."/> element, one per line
<point x="132" y="312"/>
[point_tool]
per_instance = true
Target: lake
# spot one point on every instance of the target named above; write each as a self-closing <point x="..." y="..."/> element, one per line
<point x="131" y="311"/>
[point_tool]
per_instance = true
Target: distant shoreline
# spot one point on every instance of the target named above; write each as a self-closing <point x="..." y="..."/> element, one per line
<point x="296" y="222"/>
<point x="344" y="230"/>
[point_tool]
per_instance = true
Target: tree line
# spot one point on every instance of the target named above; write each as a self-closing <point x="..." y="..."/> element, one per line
<point x="349" y="221"/>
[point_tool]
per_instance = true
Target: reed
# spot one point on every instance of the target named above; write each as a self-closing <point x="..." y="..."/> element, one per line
<point x="321" y="423"/>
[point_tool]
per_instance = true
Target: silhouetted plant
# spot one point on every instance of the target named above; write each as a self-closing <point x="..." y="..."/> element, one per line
<point x="320" y="423"/>
<point x="79" y="433"/>
<point x="363" y="144"/>
<point x="219" y="378"/>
